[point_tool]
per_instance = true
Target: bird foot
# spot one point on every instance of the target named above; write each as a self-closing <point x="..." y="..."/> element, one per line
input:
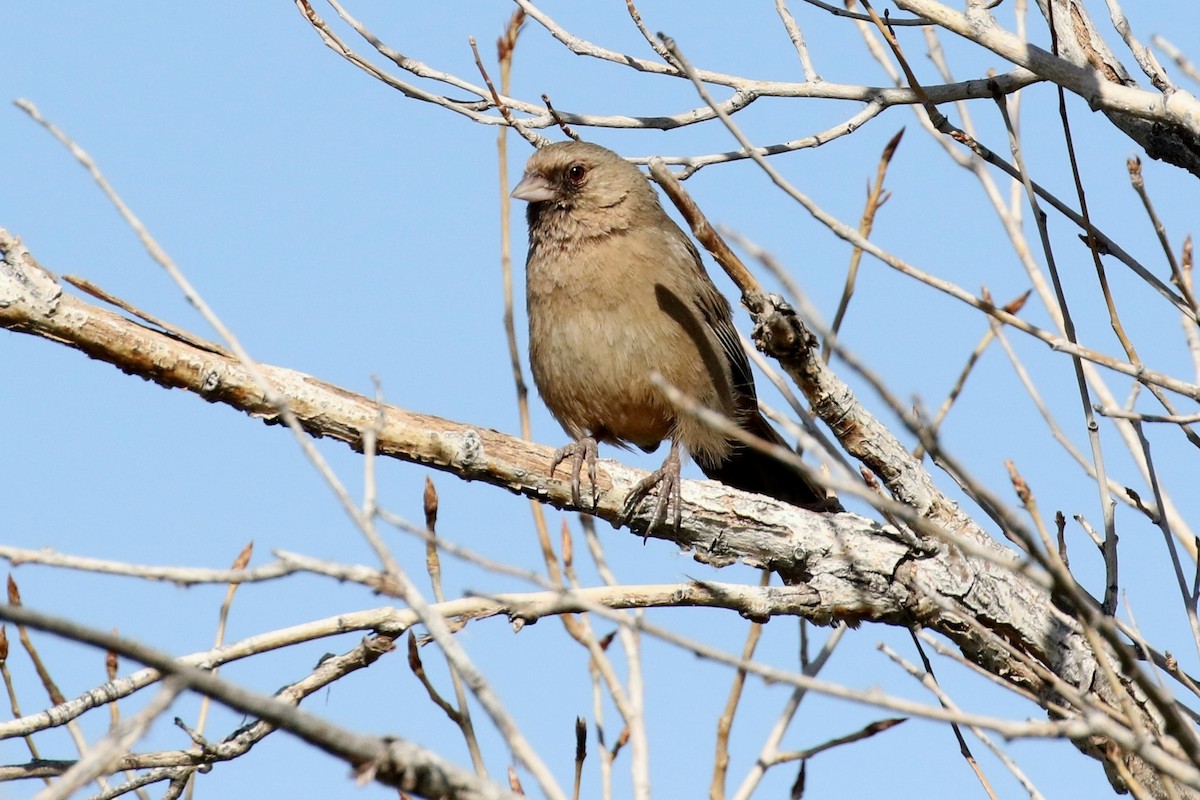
<point x="579" y="451"/>
<point x="668" y="483"/>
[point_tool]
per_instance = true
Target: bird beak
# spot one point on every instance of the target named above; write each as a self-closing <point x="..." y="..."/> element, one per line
<point x="533" y="188"/>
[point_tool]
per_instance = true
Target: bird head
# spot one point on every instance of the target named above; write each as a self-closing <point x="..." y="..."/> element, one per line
<point x="583" y="177"/>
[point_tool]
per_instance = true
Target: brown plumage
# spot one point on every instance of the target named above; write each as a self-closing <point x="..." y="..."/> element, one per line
<point x="616" y="292"/>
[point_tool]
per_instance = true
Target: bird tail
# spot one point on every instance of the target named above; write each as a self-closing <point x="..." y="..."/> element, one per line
<point x="753" y="471"/>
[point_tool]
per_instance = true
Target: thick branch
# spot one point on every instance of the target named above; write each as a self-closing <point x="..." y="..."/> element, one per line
<point x="1166" y="124"/>
<point x="856" y="569"/>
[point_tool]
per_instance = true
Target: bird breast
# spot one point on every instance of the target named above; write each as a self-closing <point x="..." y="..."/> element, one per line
<point x="604" y="315"/>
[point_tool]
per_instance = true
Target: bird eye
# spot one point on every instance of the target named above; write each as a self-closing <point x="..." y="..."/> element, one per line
<point x="576" y="173"/>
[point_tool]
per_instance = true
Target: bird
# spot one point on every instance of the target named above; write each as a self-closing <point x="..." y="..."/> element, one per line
<point x="616" y="294"/>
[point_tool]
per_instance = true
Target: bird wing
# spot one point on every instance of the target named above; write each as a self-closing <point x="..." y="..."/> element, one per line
<point x="717" y="313"/>
<point x="747" y="468"/>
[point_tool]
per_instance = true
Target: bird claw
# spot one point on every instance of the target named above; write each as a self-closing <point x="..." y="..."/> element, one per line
<point x="579" y="451"/>
<point x="669" y="484"/>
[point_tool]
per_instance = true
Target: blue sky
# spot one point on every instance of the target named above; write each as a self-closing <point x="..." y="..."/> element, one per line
<point x="345" y="231"/>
